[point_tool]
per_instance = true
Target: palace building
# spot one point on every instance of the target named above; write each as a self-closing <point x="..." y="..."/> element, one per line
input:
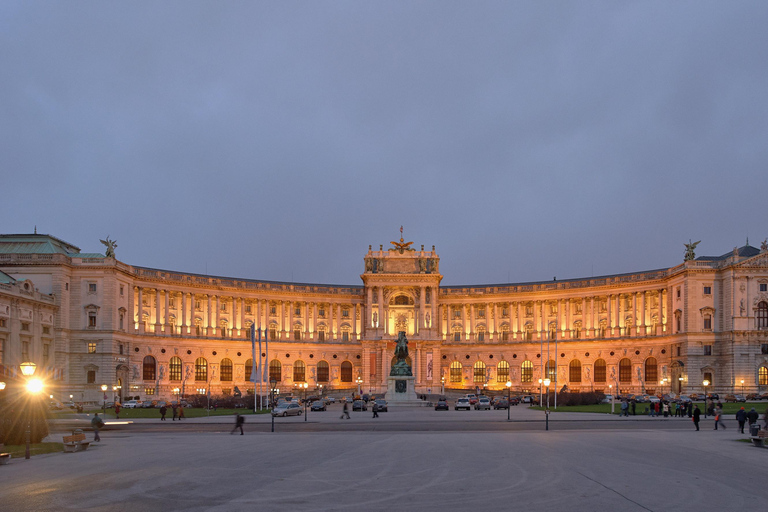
<point x="89" y="319"/>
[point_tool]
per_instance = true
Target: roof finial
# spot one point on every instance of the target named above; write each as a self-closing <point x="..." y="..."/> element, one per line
<point x="747" y="239"/>
<point x="35" y="228"/>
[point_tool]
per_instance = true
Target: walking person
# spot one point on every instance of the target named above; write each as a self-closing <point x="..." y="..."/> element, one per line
<point x="96" y="424"/>
<point x="345" y="411"/>
<point x="181" y="412"/>
<point x="696" y="416"/>
<point x="163" y="410"/>
<point x="375" y="410"/>
<point x="239" y="420"/>
<point x="719" y="416"/>
<point x="634" y="407"/>
<point x="741" y="417"/>
<point x="624" y="407"/>
<point x="117" y="410"/>
<point x="752" y="417"/>
<point x="175" y="411"/>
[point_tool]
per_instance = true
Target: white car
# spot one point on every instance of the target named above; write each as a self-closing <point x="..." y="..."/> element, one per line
<point x="462" y="403"/>
<point x="287" y="409"/>
<point x="608" y="399"/>
<point x="483" y="403"/>
<point x="132" y="404"/>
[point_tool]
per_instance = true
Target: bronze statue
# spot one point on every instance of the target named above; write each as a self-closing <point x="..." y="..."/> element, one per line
<point x="401" y="367"/>
<point x="111" y="244"/>
<point x="689" y="248"/>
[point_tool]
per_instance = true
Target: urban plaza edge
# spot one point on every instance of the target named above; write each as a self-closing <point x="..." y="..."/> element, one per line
<point x="88" y="319"/>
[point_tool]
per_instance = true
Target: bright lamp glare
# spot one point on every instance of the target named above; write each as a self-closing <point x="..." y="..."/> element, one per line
<point x="35" y="386"/>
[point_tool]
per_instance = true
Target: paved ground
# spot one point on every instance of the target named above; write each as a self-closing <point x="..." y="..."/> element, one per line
<point x="635" y="464"/>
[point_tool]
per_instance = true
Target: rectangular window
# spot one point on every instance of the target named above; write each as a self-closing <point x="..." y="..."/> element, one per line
<point x="91" y="347"/>
<point x="297" y="311"/>
<point x="481" y="336"/>
<point x="707" y="290"/>
<point x="91" y="377"/>
<point x="198" y="305"/>
<point x="764" y="348"/>
<point x="297" y="334"/>
<point x="224" y="307"/>
<point x="678" y="292"/>
<point x="171" y="302"/>
<point x="92" y="320"/>
<point x="24" y="326"/>
<point x="25" y="351"/>
<point x="504" y="312"/>
<point x="456" y="313"/>
<point x="321" y="312"/>
<point x="345" y="336"/>
<point x="247" y="308"/>
<point x="46" y="329"/>
<point x="273" y="310"/>
<point x="678" y="351"/>
<point x="528" y="310"/>
<point x="344" y="313"/>
<point x="2" y="349"/>
<point x="320" y="335"/>
<point x="149" y="391"/>
<point x="457" y="336"/>
<point x="505" y="336"/>
<point x="708" y="323"/>
<point x="707" y="350"/>
<point x="481" y="313"/>
<point x="2" y="322"/>
<point x="91" y="287"/>
<point x="122" y="290"/>
<point x="764" y="287"/>
<point x="46" y="352"/>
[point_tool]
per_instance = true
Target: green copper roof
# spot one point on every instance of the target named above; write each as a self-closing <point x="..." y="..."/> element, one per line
<point x="36" y="244"/>
<point x="5" y="278"/>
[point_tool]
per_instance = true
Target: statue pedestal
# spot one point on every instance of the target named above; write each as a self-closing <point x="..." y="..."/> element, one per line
<point x="401" y="391"/>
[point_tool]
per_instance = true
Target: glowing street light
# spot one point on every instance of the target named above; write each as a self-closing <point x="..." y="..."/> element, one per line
<point x="742" y="386"/>
<point x="547" y="382"/>
<point x="705" y="383"/>
<point x="610" y="390"/>
<point x="34" y="386"/>
<point x="104" y="391"/>
<point x="509" y="405"/>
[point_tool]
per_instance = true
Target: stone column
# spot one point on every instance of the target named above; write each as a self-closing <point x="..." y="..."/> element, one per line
<point x="354" y="321"/>
<point x="569" y="319"/>
<point x="381" y="308"/>
<point x="644" y="328"/>
<point x="158" y="324"/>
<point x="583" y="318"/>
<point x="422" y="307"/>
<point x="369" y="301"/>
<point x="290" y="319"/>
<point x="433" y="307"/>
<point x="314" y="320"/>
<point x="183" y="326"/>
<point x="208" y="316"/>
<point x="166" y="321"/>
<point x="464" y="322"/>
<point x="281" y="324"/>
<point x="307" y="335"/>
<point x="634" y="314"/>
<point x="519" y="325"/>
<point x="618" y="312"/>
<point x="609" y="306"/>
<point x="140" y="306"/>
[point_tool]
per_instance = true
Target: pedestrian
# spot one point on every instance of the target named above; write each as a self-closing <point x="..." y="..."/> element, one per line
<point x="345" y="411"/>
<point x="752" y="418"/>
<point x="375" y="410"/>
<point x="624" y="407"/>
<point x="163" y="410"/>
<point x="696" y="416"/>
<point x="181" y="412"/>
<point x="96" y="424"/>
<point x="175" y="411"/>
<point x="765" y="419"/>
<point x="117" y="410"/>
<point x="239" y="420"/>
<point x="719" y="416"/>
<point x="666" y="409"/>
<point x="634" y="406"/>
<point x="741" y="417"/>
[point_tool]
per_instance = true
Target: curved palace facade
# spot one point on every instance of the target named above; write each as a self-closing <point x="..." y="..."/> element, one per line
<point x="89" y="319"/>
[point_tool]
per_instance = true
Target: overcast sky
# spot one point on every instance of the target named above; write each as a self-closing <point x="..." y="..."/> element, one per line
<point x="525" y="140"/>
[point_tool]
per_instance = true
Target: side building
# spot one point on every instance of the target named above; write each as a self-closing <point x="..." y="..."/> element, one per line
<point x="153" y="333"/>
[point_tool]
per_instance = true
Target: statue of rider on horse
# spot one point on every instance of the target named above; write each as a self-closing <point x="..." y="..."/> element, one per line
<point x="401" y="367"/>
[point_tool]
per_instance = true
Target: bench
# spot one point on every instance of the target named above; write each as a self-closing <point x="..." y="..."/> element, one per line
<point x="760" y="438"/>
<point x="5" y="458"/>
<point x="75" y="443"/>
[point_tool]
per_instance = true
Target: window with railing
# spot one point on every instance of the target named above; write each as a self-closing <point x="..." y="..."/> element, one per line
<point x="455" y="372"/>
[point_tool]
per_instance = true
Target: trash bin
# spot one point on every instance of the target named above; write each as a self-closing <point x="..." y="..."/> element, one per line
<point x="753" y="429"/>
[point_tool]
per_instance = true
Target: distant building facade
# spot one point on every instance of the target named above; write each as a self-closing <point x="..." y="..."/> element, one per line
<point x="151" y="332"/>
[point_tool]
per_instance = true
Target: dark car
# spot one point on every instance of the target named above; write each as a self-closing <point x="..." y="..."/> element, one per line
<point x="318" y="405"/>
<point x="501" y="404"/>
<point x="381" y="405"/>
<point x="442" y="405"/>
<point x="359" y="405"/>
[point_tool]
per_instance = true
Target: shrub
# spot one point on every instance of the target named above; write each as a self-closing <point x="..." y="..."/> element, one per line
<point x="587" y="398"/>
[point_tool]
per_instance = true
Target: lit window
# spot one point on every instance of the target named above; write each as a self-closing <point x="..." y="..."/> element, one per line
<point x="225" y="370"/>
<point x="201" y="369"/>
<point x="526" y="371"/>
<point x="762" y="376"/>
<point x="91" y="347"/>
<point x="502" y="371"/>
<point x="149" y="391"/>
<point x="479" y="373"/>
<point x="455" y="371"/>
<point x="299" y="371"/>
<point x="174" y="369"/>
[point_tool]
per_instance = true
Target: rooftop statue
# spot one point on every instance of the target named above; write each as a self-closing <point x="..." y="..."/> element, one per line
<point x="401" y="353"/>
<point x="401" y="245"/>
<point x="111" y="244"/>
<point x="689" y="248"/>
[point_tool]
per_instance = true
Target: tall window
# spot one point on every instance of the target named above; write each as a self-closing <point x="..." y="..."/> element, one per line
<point x="248" y="370"/>
<point x="550" y="370"/>
<point x="600" y="370"/>
<point x="149" y="368"/>
<point x="455" y="371"/>
<point x="479" y="374"/>
<point x="481" y="334"/>
<point x="321" y="334"/>
<point x="762" y="376"/>
<point x="174" y="369"/>
<point x="297" y="333"/>
<point x="225" y="370"/>
<point x="762" y="315"/>
<point x="625" y="370"/>
<point x="526" y="372"/>
<point x="502" y="371"/>
<point x="275" y="370"/>
<point x="322" y="371"/>
<point x="651" y="370"/>
<point x="201" y="370"/>
<point x="457" y="334"/>
<point x="346" y="371"/>
<point x="91" y="377"/>
<point x="504" y="333"/>
<point x="574" y="371"/>
<point x="272" y="332"/>
<point x="299" y="371"/>
<point x="91" y="347"/>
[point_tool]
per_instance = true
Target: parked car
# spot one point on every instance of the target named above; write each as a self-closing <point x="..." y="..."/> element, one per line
<point x="69" y="404"/>
<point x="501" y="404"/>
<point x="472" y="398"/>
<point x="318" y="405"/>
<point x="730" y="398"/>
<point x="381" y="405"/>
<point x="359" y="405"/>
<point x="442" y="405"/>
<point x="483" y="403"/>
<point x="462" y="403"/>
<point x="287" y="409"/>
<point x="132" y="404"/>
<point x="741" y="398"/>
<point x="609" y="398"/>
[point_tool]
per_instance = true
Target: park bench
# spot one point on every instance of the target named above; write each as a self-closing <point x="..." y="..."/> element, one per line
<point x="5" y="458"/>
<point x="75" y="443"/>
<point x="760" y="438"/>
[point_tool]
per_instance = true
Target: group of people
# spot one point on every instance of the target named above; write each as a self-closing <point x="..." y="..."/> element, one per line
<point x="178" y="412"/>
<point x="683" y="409"/>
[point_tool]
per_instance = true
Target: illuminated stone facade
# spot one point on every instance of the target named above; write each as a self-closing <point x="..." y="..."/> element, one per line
<point x="152" y="331"/>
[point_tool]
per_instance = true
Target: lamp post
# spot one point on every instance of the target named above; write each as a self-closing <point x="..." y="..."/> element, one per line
<point x="34" y="386"/>
<point x="705" y="383"/>
<point x="610" y="390"/>
<point x="305" y="385"/>
<point x="104" y="406"/>
<point x="442" y="386"/>
<point x="680" y="385"/>
<point x="742" y="386"/>
<point x="359" y="387"/>
<point x="272" y="384"/>
<point x="547" y="382"/>
<point x="509" y="404"/>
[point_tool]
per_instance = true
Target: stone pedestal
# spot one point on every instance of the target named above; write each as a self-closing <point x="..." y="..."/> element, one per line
<point x="401" y="391"/>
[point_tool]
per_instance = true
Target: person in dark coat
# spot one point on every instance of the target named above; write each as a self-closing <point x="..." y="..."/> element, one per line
<point x="181" y="412"/>
<point x="696" y="416"/>
<point x="163" y="410"/>
<point x="741" y="417"/>
<point x="96" y="424"/>
<point x="752" y="417"/>
<point x="175" y="411"/>
<point x="117" y="411"/>
<point x="239" y="420"/>
<point x="375" y="410"/>
<point x="345" y="412"/>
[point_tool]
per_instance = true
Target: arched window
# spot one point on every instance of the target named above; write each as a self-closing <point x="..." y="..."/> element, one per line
<point x="322" y="371"/>
<point x="248" y="370"/>
<point x="299" y="371"/>
<point x="225" y="370"/>
<point x="455" y="371"/>
<point x="174" y="369"/>
<point x="346" y="371"/>
<point x="526" y="372"/>
<point x="762" y="376"/>
<point x="600" y="370"/>
<point x="651" y="370"/>
<point x="479" y="373"/>
<point x="762" y="315"/>
<point x="502" y="371"/>
<point x="149" y="368"/>
<point x="625" y="370"/>
<point x="574" y="371"/>
<point x="275" y="370"/>
<point x="201" y="370"/>
<point x="550" y="370"/>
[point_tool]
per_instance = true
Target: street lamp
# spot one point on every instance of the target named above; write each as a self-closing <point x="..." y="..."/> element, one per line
<point x="359" y="387"/>
<point x="104" y="407"/>
<point x="305" y="385"/>
<point x="509" y="404"/>
<point x="705" y="383"/>
<point x="34" y="386"/>
<point x="442" y="386"/>
<point x="742" y="386"/>
<point x="680" y="385"/>
<point x="547" y="382"/>
<point x="610" y="390"/>
<point x="272" y="384"/>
